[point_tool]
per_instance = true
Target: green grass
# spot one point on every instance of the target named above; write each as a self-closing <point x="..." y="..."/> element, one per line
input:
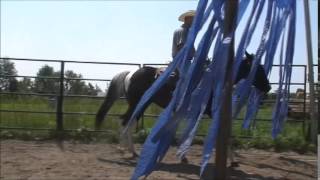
<point x="292" y="136"/>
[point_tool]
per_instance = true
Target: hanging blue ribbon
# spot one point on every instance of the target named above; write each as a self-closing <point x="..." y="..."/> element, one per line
<point x="196" y="83"/>
<point x="243" y="90"/>
<point x="201" y="94"/>
<point x="281" y="107"/>
<point x="280" y="111"/>
<point x="218" y="94"/>
<point x="253" y="105"/>
<point x="153" y="150"/>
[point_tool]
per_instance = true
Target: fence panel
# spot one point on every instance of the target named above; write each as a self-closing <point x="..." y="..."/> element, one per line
<point x="60" y="99"/>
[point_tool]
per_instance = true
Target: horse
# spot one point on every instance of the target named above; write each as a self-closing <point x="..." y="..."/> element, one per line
<point x="133" y="85"/>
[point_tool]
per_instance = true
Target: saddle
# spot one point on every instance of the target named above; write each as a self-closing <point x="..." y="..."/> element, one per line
<point x="159" y="71"/>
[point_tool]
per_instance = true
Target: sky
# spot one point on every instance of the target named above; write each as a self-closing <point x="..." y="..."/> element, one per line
<point x="109" y="31"/>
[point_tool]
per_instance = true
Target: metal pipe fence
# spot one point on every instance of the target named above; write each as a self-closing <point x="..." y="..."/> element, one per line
<point x="59" y="113"/>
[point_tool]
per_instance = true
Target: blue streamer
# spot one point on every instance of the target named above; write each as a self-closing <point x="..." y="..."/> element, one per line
<point x="219" y="73"/>
<point x="153" y="150"/>
<point x="195" y="71"/>
<point x="255" y="96"/>
<point x="243" y="90"/>
<point x="252" y="107"/>
<point x="198" y="104"/>
<point x="281" y="108"/>
<point x="196" y="83"/>
<point x="277" y="28"/>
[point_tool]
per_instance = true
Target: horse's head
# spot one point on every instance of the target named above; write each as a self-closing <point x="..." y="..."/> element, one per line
<point x="260" y="80"/>
<point x="249" y="57"/>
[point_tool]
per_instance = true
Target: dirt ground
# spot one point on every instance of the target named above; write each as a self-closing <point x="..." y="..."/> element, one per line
<point x="43" y="160"/>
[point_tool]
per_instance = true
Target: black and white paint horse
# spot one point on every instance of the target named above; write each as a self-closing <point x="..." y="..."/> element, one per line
<point x="133" y="85"/>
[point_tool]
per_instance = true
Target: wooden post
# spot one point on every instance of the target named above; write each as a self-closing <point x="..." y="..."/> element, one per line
<point x="313" y="115"/>
<point x="224" y="131"/>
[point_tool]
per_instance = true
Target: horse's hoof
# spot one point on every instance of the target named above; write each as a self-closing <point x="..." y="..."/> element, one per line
<point x="234" y="164"/>
<point x="134" y="155"/>
<point x="184" y="160"/>
<point x="121" y="149"/>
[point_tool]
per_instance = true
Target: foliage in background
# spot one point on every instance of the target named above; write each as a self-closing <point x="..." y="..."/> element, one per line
<point x="7" y="68"/>
<point x="26" y="85"/>
<point x="43" y="84"/>
<point x="46" y="81"/>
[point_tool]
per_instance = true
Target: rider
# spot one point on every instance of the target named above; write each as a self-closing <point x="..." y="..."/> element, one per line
<point x="180" y="34"/>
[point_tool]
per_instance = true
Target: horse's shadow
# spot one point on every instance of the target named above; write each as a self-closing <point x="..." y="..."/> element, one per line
<point x="130" y="162"/>
<point x="185" y="170"/>
<point x="289" y="160"/>
<point x="208" y="174"/>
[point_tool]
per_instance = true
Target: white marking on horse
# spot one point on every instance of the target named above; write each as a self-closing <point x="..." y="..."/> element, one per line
<point x="127" y="81"/>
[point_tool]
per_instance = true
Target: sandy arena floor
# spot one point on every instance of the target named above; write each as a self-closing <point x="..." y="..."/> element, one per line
<point x="45" y="161"/>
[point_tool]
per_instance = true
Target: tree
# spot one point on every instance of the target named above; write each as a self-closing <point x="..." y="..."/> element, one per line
<point x="74" y="84"/>
<point x="98" y="90"/>
<point x="93" y="90"/>
<point x="25" y="85"/>
<point x="44" y="82"/>
<point x="7" y="68"/>
<point x="13" y="85"/>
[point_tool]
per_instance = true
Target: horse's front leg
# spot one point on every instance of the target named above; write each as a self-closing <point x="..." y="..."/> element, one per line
<point x="184" y="160"/>
<point x="132" y="103"/>
<point x="231" y="153"/>
<point x="126" y="141"/>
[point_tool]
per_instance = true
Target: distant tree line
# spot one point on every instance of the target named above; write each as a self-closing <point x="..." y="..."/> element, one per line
<point x="47" y="81"/>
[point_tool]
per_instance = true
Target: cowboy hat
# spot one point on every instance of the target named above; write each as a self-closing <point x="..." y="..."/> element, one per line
<point x="186" y="14"/>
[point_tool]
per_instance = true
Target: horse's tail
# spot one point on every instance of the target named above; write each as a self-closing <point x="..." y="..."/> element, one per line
<point x="115" y="91"/>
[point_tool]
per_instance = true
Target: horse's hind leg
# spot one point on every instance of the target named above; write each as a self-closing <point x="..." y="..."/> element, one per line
<point x="231" y="154"/>
<point x="126" y="139"/>
<point x="115" y="91"/>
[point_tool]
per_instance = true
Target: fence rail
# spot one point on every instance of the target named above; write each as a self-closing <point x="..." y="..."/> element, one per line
<point x="61" y="95"/>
